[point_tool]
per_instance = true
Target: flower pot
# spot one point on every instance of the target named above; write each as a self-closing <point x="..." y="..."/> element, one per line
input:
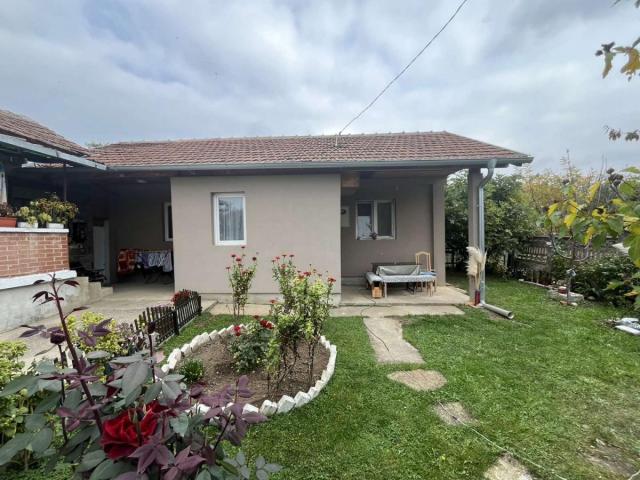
<point x="55" y="225"/>
<point x="8" y="222"/>
<point x="27" y="225"/>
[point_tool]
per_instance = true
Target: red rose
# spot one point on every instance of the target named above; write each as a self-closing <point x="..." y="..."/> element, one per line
<point x="120" y="437"/>
<point x="238" y="259"/>
<point x="238" y="330"/>
<point x="331" y="280"/>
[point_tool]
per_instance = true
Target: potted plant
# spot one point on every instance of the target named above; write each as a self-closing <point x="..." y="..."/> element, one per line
<point x="7" y="216"/>
<point x="53" y="212"/>
<point x="26" y="218"/>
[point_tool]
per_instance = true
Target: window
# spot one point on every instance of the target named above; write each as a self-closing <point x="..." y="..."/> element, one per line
<point x="168" y="223"/>
<point x="229" y="219"/>
<point x="375" y="218"/>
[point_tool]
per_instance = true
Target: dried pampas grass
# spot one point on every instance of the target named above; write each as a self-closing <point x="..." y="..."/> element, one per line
<point x="476" y="263"/>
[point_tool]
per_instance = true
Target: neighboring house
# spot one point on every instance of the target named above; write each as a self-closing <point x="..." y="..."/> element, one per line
<point x="319" y="197"/>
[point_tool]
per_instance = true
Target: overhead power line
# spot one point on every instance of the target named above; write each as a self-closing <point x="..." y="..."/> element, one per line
<point x="457" y="10"/>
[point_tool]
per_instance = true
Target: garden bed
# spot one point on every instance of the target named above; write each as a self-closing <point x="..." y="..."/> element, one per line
<point x="210" y="348"/>
<point x="219" y="371"/>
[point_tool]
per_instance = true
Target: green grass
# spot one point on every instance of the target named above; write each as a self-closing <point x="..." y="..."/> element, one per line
<point x="547" y="385"/>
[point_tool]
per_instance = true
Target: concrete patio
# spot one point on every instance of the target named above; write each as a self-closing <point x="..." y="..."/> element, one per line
<point x="127" y="301"/>
<point x="354" y="295"/>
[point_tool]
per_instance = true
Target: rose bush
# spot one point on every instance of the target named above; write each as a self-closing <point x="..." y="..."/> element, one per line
<point x="299" y="318"/>
<point x="250" y="345"/>
<point x="240" y="277"/>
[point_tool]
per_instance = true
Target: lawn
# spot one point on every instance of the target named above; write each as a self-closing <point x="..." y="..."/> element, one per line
<point x="551" y="384"/>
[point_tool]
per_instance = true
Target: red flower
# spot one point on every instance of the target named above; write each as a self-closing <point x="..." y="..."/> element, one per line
<point x="233" y="255"/>
<point x="120" y="437"/>
<point x="266" y="324"/>
<point x="277" y="258"/>
<point x="254" y="258"/>
<point x="238" y="330"/>
<point x="238" y="259"/>
<point x="307" y="274"/>
<point x="331" y="280"/>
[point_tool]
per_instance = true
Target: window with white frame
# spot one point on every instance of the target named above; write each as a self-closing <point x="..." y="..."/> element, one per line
<point x="375" y="219"/>
<point x="229" y="219"/>
<point x="168" y="223"/>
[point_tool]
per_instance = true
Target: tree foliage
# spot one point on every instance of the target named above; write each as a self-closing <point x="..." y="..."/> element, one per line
<point x="510" y="218"/>
<point x="611" y="209"/>
<point x="610" y="51"/>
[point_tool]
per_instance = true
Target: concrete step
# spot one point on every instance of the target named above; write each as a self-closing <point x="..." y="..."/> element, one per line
<point x="97" y="291"/>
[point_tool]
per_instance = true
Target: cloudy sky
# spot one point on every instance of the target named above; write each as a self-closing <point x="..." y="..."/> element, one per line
<point x="518" y="73"/>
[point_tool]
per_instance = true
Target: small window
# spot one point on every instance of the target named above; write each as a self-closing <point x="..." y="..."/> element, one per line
<point x="229" y="219"/>
<point x="375" y="219"/>
<point x="168" y="223"/>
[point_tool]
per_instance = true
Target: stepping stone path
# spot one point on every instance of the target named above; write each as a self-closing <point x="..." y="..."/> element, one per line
<point x="419" y="380"/>
<point x="387" y="342"/>
<point x="386" y="339"/>
<point x="507" y="468"/>
<point x="453" y="413"/>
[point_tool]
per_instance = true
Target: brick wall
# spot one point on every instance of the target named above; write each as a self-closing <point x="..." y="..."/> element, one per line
<point x="32" y="252"/>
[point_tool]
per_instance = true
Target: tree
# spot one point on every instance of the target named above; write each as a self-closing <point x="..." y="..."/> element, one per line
<point x="609" y="52"/>
<point x="509" y="218"/>
<point x="611" y="209"/>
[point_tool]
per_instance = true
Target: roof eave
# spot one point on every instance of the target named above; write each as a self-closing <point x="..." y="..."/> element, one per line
<point x="49" y="154"/>
<point x="458" y="163"/>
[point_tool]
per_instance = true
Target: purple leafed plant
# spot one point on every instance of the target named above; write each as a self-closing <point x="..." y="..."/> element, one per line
<point x="134" y="422"/>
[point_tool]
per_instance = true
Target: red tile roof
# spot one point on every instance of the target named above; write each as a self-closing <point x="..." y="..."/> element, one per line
<point x="22" y="127"/>
<point x="307" y="150"/>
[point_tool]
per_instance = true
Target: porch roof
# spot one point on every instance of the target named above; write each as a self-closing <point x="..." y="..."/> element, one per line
<point x="435" y="149"/>
<point x="24" y="137"/>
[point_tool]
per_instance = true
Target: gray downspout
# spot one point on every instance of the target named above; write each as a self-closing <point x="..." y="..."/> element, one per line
<point x="491" y="165"/>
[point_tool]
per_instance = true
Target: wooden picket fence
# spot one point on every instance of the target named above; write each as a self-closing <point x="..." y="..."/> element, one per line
<point x="170" y="319"/>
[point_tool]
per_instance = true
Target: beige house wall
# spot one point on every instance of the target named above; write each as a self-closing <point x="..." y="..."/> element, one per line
<point x="419" y="215"/>
<point x="297" y="214"/>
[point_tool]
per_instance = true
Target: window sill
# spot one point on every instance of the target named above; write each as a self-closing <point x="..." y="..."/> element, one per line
<point x="378" y="238"/>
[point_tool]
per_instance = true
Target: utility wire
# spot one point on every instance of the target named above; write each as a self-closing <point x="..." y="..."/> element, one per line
<point x="457" y="10"/>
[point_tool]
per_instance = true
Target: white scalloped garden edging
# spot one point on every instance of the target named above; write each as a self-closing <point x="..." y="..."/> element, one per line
<point x="268" y="408"/>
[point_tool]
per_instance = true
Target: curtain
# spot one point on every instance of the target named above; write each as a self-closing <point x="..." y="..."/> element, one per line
<point x="231" y="218"/>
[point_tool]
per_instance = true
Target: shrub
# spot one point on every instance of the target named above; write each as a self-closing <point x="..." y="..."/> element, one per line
<point x="240" y="278"/>
<point x="11" y="410"/>
<point x="17" y="409"/>
<point x="180" y="297"/>
<point x="250" y="345"/>
<point x="192" y="370"/>
<point x="302" y="320"/>
<point x="606" y="278"/>
<point x="137" y="423"/>
<point x="82" y="334"/>
<point x="285" y="273"/>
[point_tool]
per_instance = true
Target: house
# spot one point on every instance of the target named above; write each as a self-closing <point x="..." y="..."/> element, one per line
<point x="323" y="198"/>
